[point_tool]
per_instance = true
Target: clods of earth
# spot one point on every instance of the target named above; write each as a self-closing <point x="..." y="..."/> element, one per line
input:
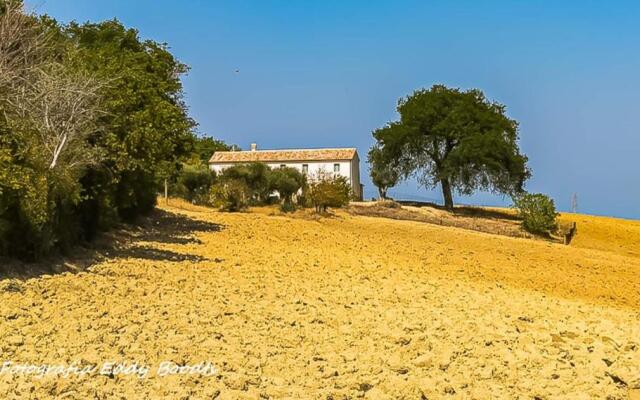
<point x="340" y="307"/>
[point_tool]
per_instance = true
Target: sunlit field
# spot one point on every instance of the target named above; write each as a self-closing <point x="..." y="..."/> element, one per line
<point x="336" y="307"/>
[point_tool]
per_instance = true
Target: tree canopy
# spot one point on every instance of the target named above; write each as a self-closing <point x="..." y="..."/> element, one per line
<point x="255" y="175"/>
<point x="456" y="139"/>
<point x="145" y="129"/>
<point x="287" y="181"/>
<point x="205" y="146"/>
<point x="92" y="120"/>
<point x="384" y="173"/>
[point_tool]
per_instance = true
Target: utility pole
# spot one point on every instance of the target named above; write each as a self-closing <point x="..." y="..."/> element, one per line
<point x="574" y="203"/>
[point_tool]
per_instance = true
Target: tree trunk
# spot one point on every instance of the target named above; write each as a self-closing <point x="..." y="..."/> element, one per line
<point x="382" y="192"/>
<point x="446" y="192"/>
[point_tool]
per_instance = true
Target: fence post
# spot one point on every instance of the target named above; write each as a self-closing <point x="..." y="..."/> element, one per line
<point x="166" y="192"/>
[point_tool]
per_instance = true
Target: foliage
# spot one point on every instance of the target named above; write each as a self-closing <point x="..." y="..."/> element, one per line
<point x="384" y="174"/>
<point x="241" y="185"/>
<point x="326" y="190"/>
<point x="47" y="114"/>
<point x="288" y="207"/>
<point x="146" y="131"/>
<point x="287" y="181"/>
<point x="254" y="175"/>
<point x="215" y="197"/>
<point x="230" y="195"/>
<point x="205" y="146"/>
<point x="457" y="139"/>
<point x="538" y="212"/>
<point x="91" y="122"/>
<point x="194" y="182"/>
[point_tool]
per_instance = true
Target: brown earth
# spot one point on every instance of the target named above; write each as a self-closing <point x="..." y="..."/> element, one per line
<point x="339" y="307"/>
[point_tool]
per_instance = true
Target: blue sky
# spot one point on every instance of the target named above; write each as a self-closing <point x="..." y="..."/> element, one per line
<point x="326" y="73"/>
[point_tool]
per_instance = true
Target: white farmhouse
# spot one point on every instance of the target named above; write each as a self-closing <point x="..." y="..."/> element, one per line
<point x="343" y="161"/>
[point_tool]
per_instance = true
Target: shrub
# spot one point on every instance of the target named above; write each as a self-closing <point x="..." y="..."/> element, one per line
<point x="538" y="213"/>
<point x="230" y="195"/>
<point x="303" y="200"/>
<point x="216" y="195"/>
<point x="329" y="191"/>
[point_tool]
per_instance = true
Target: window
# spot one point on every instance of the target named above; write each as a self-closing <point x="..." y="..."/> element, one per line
<point x="336" y="167"/>
<point x="305" y="168"/>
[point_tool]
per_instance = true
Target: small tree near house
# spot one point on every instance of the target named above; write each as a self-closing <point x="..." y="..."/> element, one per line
<point x="384" y="174"/>
<point x="287" y="181"/>
<point x="254" y="175"/>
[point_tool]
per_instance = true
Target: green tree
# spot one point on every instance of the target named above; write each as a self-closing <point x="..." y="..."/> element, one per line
<point x="48" y="112"/>
<point x="384" y="174"/>
<point x="255" y="176"/>
<point x="205" y="146"/>
<point x="91" y="121"/>
<point x="456" y="139"/>
<point x="287" y="181"/>
<point x="194" y="181"/>
<point x="145" y="132"/>
<point x="538" y="212"/>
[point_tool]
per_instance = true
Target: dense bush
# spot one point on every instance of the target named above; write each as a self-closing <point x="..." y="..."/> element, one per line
<point x="327" y="190"/>
<point x="252" y="184"/>
<point x="91" y="123"/>
<point x="286" y="181"/>
<point x="538" y="213"/>
<point x="194" y="182"/>
<point x="230" y="195"/>
<point x="215" y="197"/>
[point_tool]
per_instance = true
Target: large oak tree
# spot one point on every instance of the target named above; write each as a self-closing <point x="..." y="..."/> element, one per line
<point x="456" y="139"/>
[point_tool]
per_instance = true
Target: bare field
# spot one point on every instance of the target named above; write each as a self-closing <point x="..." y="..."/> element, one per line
<point x="336" y="308"/>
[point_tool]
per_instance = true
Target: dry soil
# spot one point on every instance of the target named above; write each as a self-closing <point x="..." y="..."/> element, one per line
<point x="336" y="308"/>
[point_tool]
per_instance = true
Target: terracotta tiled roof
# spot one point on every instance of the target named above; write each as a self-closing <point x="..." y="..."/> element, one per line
<point x="282" y="155"/>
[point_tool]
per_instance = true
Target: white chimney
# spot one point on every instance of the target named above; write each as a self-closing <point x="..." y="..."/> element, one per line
<point x="254" y="147"/>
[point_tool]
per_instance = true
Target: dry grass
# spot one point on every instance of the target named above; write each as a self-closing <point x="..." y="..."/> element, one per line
<point x="496" y="221"/>
<point x="341" y="307"/>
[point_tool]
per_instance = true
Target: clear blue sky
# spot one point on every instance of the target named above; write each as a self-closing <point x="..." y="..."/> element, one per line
<point x="326" y="73"/>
